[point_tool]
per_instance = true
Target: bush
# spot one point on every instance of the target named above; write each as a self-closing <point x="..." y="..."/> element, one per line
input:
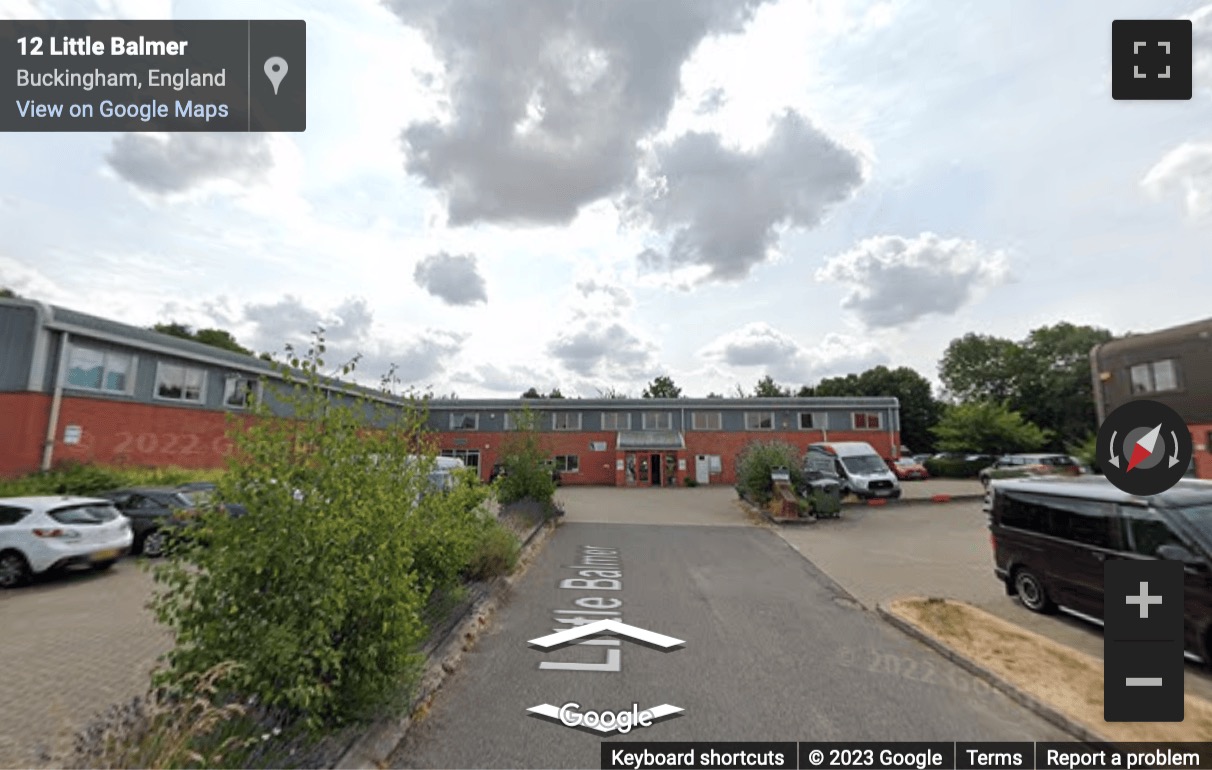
<point x="758" y="460"/>
<point x="318" y="594"/>
<point x="87" y="479"/>
<point x="943" y="468"/>
<point x="527" y="470"/>
<point x="690" y="482"/>
<point x="496" y="553"/>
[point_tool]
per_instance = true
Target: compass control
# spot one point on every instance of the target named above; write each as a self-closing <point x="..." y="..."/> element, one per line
<point x="1144" y="447"/>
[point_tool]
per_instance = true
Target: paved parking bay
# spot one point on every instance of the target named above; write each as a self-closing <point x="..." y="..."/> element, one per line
<point x="73" y="645"/>
<point x="935" y="550"/>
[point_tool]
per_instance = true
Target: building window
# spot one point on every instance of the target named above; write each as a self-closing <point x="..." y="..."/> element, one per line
<point x="658" y="421"/>
<point x="568" y="463"/>
<point x="175" y="382"/>
<point x="597" y="446"/>
<point x="470" y="457"/>
<point x="1155" y="377"/>
<point x="93" y="369"/>
<point x="464" y="421"/>
<point x="867" y="421"/>
<point x="706" y="420"/>
<point x="616" y="421"/>
<point x="810" y="421"/>
<point x="759" y="420"/>
<point x="566" y="421"/>
<point x="240" y="392"/>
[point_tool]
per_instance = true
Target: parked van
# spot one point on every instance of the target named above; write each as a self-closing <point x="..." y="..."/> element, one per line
<point x="1052" y="536"/>
<point x="859" y="468"/>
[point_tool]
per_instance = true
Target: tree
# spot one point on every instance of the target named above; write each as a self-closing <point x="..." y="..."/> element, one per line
<point x="7" y="293"/>
<point x="806" y="391"/>
<point x="612" y="393"/>
<point x="662" y="387"/>
<point x="987" y="427"/>
<point x="555" y="393"/>
<point x="713" y="394"/>
<point x="919" y="409"/>
<point x="216" y="338"/>
<point x="1046" y="376"/>
<point x="532" y="393"/>
<point x="768" y="388"/>
<point x="524" y="456"/>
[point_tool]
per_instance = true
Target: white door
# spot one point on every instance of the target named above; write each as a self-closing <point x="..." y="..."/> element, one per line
<point x="702" y="470"/>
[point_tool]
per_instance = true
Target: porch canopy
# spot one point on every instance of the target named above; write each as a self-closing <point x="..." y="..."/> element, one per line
<point x="644" y="440"/>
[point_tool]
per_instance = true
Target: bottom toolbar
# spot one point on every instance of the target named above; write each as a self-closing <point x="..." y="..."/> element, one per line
<point x="926" y="755"/>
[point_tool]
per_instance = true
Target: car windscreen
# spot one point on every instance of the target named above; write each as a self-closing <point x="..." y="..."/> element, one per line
<point x="1199" y="518"/>
<point x="906" y="462"/>
<point x="1057" y="461"/>
<point x="864" y="464"/>
<point x="196" y="496"/>
<point x="91" y="513"/>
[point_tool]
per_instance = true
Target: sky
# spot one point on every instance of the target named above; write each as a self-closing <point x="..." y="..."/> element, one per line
<point x="495" y="196"/>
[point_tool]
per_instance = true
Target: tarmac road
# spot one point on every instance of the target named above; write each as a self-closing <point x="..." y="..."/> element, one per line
<point x="773" y="652"/>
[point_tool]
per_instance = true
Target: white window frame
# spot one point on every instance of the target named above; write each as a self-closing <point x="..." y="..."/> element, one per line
<point x="668" y="416"/>
<point x="463" y="454"/>
<point x="622" y="420"/>
<point x="185" y="369"/>
<point x="256" y="390"/>
<point x="475" y="421"/>
<point x="106" y="354"/>
<point x="815" y="417"/>
<point x="555" y="421"/>
<point x="563" y="467"/>
<point x="879" y="420"/>
<point x="509" y="422"/>
<point x="719" y="420"/>
<point x="749" y="420"/>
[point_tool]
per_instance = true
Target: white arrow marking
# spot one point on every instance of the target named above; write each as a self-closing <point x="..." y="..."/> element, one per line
<point x="1114" y="454"/>
<point x="1174" y="458"/>
<point x="606" y="626"/>
<point x="552" y="712"/>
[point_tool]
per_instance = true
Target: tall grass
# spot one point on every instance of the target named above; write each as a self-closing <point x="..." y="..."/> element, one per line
<point x="80" y="479"/>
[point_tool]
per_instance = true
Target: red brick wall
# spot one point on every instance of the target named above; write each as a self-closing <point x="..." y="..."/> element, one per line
<point x="728" y="445"/>
<point x="1200" y="435"/>
<point x="596" y="467"/>
<point x="23" y="418"/>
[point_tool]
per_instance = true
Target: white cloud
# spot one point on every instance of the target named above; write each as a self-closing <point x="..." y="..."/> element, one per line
<point x="722" y="208"/>
<point x="760" y="348"/>
<point x="1184" y="173"/>
<point x="896" y="280"/>
<point x="549" y="99"/>
<point x="453" y="278"/>
<point x="1201" y="47"/>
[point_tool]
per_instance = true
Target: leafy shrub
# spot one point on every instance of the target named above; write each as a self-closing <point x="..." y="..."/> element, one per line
<point x="527" y="473"/>
<point x="496" y="553"/>
<point x="318" y="593"/>
<point x="944" y="468"/>
<point x="88" y="479"/>
<point x="1086" y="452"/>
<point x="691" y="482"/>
<point x="758" y="460"/>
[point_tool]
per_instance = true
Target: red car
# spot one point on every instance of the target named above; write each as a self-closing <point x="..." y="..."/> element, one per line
<point x="907" y="469"/>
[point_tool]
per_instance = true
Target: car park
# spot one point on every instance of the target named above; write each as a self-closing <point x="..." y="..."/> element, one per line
<point x="1052" y="538"/>
<point x="40" y="534"/>
<point x="908" y="469"/>
<point x="153" y="513"/>
<point x="859" y="468"/>
<point x="1014" y="466"/>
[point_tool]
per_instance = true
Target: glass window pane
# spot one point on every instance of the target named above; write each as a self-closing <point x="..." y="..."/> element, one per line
<point x="170" y="381"/>
<point x="1141" y="381"/>
<point x="85" y="367"/>
<point x="117" y="367"/>
<point x="1165" y="375"/>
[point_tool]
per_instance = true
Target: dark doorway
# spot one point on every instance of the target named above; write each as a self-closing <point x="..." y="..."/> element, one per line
<point x="656" y="470"/>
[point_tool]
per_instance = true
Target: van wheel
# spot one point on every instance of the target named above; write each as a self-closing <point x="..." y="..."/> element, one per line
<point x="1031" y="591"/>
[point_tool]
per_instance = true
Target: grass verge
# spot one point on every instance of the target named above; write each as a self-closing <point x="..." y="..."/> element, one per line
<point x="1067" y="680"/>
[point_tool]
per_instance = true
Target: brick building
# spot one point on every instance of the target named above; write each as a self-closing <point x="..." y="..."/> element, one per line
<point x="76" y="387"/>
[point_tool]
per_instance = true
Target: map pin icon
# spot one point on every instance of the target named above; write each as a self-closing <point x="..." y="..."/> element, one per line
<point x="275" y="70"/>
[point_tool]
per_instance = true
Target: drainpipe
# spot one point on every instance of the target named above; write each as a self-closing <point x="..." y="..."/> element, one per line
<point x="52" y="425"/>
<point x="896" y="445"/>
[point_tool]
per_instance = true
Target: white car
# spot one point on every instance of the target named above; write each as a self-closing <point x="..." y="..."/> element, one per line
<point x="44" y="533"/>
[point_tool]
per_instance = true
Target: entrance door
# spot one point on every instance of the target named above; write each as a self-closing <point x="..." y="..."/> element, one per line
<point x="702" y="470"/>
<point x="656" y="469"/>
<point x="643" y="475"/>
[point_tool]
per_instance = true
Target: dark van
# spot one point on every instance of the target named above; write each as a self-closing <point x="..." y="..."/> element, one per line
<point x="1051" y="537"/>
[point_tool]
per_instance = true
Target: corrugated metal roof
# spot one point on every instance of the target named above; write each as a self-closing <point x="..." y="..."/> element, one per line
<point x="651" y="439"/>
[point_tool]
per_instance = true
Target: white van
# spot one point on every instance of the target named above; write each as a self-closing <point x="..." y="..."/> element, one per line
<point x="857" y="465"/>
